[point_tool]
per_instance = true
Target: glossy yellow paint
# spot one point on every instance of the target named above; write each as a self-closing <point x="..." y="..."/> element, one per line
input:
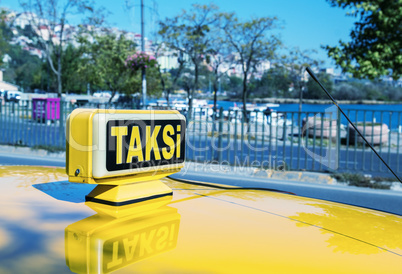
<point x="220" y="231"/>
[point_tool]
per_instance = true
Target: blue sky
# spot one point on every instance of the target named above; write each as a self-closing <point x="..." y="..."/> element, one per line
<point x="307" y="24"/>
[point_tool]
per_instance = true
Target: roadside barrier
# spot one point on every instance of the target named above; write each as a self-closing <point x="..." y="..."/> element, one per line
<point x="310" y="141"/>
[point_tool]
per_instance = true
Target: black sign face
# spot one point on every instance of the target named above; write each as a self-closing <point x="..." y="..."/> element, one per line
<point x="133" y="144"/>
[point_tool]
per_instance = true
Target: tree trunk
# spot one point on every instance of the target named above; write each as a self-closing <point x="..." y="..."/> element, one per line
<point x="195" y="77"/>
<point x="167" y="97"/>
<point x="191" y="93"/>
<point x="300" y="97"/>
<point x="245" y="98"/>
<point x="59" y="85"/>
<point x="190" y="104"/>
<point x="113" y="94"/>
<point x="215" y="98"/>
<point x="164" y="87"/>
<point x="215" y="87"/>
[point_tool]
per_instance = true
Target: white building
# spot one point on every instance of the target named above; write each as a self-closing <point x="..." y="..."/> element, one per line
<point x="6" y="86"/>
<point x="24" y="19"/>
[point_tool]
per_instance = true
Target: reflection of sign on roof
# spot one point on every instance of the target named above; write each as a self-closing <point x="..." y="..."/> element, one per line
<point x="137" y="245"/>
<point x="101" y="244"/>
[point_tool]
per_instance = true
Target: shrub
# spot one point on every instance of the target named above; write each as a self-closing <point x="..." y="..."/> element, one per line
<point x="359" y="180"/>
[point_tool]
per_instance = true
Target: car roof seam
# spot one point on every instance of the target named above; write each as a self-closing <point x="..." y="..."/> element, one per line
<point x="317" y="226"/>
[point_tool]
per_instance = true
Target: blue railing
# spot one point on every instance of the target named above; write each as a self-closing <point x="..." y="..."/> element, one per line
<point x="311" y="141"/>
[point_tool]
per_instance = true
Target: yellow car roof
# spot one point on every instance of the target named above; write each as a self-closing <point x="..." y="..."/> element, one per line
<point x="46" y="227"/>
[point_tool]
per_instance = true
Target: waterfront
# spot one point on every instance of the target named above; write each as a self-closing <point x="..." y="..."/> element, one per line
<point x="380" y="113"/>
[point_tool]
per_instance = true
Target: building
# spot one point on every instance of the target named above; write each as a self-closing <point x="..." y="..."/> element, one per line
<point x="6" y="86"/>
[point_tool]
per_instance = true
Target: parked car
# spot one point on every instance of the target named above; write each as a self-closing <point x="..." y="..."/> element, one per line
<point x="12" y="96"/>
<point x="2" y="92"/>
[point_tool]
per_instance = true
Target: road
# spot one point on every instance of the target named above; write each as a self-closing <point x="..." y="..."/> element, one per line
<point x="30" y="160"/>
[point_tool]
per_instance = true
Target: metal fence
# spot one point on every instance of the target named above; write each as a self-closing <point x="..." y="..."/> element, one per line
<point x="311" y="141"/>
<point x="25" y="124"/>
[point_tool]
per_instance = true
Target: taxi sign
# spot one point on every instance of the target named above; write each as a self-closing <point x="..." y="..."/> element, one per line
<point x="124" y="145"/>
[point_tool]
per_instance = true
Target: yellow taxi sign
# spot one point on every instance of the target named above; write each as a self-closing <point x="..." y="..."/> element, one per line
<point x="120" y="144"/>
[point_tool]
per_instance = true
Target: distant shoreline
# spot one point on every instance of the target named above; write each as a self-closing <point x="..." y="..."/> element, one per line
<point x="317" y="101"/>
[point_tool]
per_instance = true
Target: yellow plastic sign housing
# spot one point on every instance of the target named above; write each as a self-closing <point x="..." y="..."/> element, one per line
<point x="116" y="147"/>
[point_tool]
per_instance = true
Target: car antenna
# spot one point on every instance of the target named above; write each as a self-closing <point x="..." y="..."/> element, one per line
<point x="361" y="135"/>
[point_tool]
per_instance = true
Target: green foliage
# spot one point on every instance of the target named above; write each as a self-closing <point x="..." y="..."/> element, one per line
<point x="375" y="49"/>
<point x="55" y="16"/>
<point x="359" y="180"/>
<point x="347" y="91"/>
<point x="190" y="34"/>
<point x="3" y="36"/>
<point x="367" y="90"/>
<point x="203" y="39"/>
<point x="295" y="62"/>
<point x="232" y="85"/>
<point x="51" y="149"/>
<point x="154" y="87"/>
<point x="103" y="63"/>
<point x="169" y="79"/>
<point x="73" y="81"/>
<point x="252" y="42"/>
<point x="276" y="82"/>
<point x="24" y="69"/>
<point x="314" y="91"/>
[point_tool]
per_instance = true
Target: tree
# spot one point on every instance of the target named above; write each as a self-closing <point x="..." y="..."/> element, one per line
<point x="73" y="81"/>
<point x="168" y="80"/>
<point x="188" y="34"/>
<point x="24" y="69"/>
<point x="3" y="36"/>
<point x="220" y="60"/>
<point x="375" y="49"/>
<point x="49" y="20"/>
<point x="252" y="44"/>
<point x="295" y="62"/>
<point x="275" y="82"/>
<point x="103" y="62"/>
<point x="232" y="84"/>
<point x="314" y="91"/>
